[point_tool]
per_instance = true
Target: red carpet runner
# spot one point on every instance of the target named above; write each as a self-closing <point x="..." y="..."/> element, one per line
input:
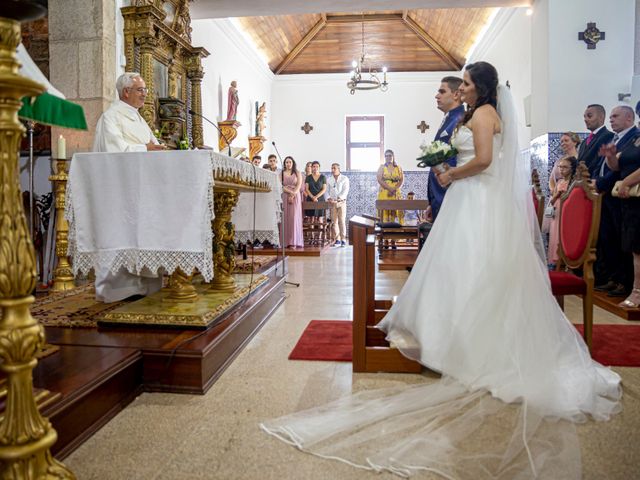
<point x="330" y="340"/>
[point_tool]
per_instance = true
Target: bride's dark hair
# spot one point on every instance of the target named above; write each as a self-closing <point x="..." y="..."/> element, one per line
<point x="485" y="78"/>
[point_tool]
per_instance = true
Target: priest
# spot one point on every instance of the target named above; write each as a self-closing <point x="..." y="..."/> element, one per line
<point x="122" y="129"/>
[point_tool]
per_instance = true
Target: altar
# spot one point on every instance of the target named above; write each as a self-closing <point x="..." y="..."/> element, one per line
<point x="168" y="212"/>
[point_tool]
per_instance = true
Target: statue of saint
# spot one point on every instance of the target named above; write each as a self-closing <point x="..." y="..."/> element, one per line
<point x="232" y="101"/>
<point x="261" y="114"/>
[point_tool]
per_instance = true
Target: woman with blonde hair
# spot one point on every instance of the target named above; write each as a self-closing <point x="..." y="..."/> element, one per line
<point x="569" y="142"/>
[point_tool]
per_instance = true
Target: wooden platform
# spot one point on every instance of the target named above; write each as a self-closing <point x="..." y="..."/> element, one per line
<point x="306" y="251"/>
<point x="610" y="304"/>
<point x="397" y="259"/>
<point x="98" y="371"/>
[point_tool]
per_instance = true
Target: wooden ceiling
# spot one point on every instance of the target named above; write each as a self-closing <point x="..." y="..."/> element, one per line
<point x="402" y="40"/>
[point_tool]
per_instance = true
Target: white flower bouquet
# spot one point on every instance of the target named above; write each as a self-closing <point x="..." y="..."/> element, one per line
<point x="434" y="154"/>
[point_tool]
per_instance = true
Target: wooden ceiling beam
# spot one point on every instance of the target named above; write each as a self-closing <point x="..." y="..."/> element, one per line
<point x="432" y="43"/>
<point x="302" y="44"/>
<point x="371" y="17"/>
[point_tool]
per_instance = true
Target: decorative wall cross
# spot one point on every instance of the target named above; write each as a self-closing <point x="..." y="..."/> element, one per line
<point x="306" y="127"/>
<point x="423" y="127"/>
<point x="591" y="36"/>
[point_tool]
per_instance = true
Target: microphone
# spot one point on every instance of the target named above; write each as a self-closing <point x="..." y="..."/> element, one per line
<point x="279" y="157"/>
<point x="191" y="112"/>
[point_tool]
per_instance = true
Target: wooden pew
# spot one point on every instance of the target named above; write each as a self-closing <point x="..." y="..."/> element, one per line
<point x="371" y="352"/>
<point x="404" y="232"/>
<point x="323" y="229"/>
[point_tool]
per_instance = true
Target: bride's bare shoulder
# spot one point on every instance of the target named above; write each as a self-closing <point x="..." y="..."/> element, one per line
<point x="487" y="115"/>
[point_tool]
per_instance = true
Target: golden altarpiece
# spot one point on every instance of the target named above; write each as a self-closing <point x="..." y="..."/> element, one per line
<point x="157" y="44"/>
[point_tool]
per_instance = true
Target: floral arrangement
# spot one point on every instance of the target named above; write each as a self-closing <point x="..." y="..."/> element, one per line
<point x="183" y="144"/>
<point x="434" y="154"/>
<point x="158" y="133"/>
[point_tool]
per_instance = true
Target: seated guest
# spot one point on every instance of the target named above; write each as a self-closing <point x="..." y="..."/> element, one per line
<point x="569" y="142"/>
<point x="618" y="218"/>
<point x="122" y="129"/>
<point x="315" y="186"/>
<point x="338" y="188"/>
<point x="567" y="168"/>
<point x="626" y="163"/>
<point x="413" y="218"/>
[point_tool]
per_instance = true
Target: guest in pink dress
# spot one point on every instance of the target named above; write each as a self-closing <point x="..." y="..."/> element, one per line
<point x="291" y="204"/>
<point x="566" y="168"/>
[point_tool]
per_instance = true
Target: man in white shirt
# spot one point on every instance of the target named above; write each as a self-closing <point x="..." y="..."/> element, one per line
<point x="122" y="129"/>
<point x="338" y="188"/>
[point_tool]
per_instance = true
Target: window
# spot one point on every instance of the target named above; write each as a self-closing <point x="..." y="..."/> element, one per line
<point x="365" y="143"/>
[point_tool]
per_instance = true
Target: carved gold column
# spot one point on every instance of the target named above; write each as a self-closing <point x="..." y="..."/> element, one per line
<point x="62" y="275"/>
<point x="148" y="111"/>
<point x="25" y="436"/>
<point x="181" y="288"/>
<point x="195" y="74"/>
<point x="224" y="249"/>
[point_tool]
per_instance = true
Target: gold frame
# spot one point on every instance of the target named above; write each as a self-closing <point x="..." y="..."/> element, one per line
<point x="147" y="37"/>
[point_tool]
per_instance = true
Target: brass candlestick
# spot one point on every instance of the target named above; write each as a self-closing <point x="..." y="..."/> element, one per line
<point x="62" y="275"/>
<point x="25" y="436"/>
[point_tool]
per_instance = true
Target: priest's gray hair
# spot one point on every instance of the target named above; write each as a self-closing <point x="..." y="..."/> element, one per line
<point x="125" y="81"/>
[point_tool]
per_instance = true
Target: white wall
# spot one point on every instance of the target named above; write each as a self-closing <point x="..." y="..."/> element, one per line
<point x="324" y="101"/>
<point x="231" y="59"/>
<point x="507" y="46"/>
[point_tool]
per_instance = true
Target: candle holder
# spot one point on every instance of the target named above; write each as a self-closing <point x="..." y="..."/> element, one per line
<point x="62" y="275"/>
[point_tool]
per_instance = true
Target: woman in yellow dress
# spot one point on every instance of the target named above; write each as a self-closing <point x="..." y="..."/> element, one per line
<point x="390" y="179"/>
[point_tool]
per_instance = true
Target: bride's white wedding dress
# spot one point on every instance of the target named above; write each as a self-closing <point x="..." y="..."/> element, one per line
<point x="478" y="308"/>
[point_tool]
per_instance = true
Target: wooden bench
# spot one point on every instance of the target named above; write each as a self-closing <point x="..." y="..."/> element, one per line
<point x="371" y="351"/>
<point x="322" y="230"/>
<point x="404" y="232"/>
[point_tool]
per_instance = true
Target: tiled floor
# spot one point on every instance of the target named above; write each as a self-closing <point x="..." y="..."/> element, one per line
<point x="216" y="436"/>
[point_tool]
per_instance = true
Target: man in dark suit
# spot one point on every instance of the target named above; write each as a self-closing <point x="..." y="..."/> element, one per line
<point x="594" y="117"/>
<point x="614" y="267"/>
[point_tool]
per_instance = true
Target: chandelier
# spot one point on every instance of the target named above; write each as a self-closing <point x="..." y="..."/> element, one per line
<point x="357" y="82"/>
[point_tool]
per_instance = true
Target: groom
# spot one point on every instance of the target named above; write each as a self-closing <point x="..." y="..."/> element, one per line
<point x="448" y="99"/>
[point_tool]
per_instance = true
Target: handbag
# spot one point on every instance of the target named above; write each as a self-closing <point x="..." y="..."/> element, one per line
<point x="633" y="191"/>
<point x="550" y="211"/>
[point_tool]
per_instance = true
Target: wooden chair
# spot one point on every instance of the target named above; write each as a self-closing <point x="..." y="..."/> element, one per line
<point x="579" y="222"/>
<point x="319" y="229"/>
<point x="538" y="196"/>
<point x="371" y="351"/>
<point x="403" y="232"/>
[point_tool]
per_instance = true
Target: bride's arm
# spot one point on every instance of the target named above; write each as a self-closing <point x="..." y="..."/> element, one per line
<point x="485" y="122"/>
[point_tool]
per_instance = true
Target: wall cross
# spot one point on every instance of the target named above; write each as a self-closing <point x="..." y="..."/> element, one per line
<point x="423" y="127"/>
<point x="306" y="128"/>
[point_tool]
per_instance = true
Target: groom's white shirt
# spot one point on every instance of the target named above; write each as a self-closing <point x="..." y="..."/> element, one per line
<point x="122" y="129"/>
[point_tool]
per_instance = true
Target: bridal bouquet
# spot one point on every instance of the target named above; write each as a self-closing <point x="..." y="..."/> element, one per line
<point x="435" y="154"/>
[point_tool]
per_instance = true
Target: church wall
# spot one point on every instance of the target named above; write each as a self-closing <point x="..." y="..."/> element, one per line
<point x="230" y="60"/>
<point x="324" y="101"/>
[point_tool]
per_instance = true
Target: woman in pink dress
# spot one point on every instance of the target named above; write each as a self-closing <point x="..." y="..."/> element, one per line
<point x="291" y="204"/>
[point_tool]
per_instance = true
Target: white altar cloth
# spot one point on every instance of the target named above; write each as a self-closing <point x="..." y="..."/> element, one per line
<point x="141" y="210"/>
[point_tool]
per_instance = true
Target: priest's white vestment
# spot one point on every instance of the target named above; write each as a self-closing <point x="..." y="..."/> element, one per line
<point x="122" y="129"/>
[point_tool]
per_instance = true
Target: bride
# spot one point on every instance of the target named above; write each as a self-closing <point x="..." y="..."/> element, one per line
<point x="477" y="308"/>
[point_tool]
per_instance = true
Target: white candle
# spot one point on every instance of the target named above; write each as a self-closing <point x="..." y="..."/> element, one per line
<point x="62" y="147"/>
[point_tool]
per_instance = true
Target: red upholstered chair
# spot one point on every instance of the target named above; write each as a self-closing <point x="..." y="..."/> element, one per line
<point x="579" y="221"/>
<point x="537" y="196"/>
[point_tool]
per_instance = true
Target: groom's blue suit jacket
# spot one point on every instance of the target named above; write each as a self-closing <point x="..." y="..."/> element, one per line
<point x="444" y="133"/>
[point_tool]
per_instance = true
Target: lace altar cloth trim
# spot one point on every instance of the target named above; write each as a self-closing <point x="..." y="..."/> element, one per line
<point x="137" y="259"/>
<point x="261" y="235"/>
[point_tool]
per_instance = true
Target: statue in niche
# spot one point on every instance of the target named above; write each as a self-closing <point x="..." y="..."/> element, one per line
<point x="232" y="101"/>
<point x="261" y="114"/>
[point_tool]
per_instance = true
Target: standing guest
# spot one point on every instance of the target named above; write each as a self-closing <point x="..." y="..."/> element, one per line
<point x="625" y="161"/>
<point x="569" y="142"/>
<point x="390" y="178"/>
<point x="315" y="186"/>
<point x="122" y="129"/>
<point x="272" y="163"/>
<point x="567" y="168"/>
<point x="291" y="205"/>
<point x="338" y="191"/>
<point x="449" y="102"/>
<point x="614" y="266"/>
<point x="256" y="160"/>
<point x="594" y="117"/>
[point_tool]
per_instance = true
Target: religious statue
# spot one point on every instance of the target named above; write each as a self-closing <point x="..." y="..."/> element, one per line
<point x="232" y="101"/>
<point x="261" y="113"/>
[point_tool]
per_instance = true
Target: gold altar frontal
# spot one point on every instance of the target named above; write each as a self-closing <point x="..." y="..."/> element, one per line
<point x="209" y="306"/>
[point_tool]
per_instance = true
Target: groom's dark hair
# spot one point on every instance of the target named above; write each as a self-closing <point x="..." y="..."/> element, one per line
<point x="453" y="82"/>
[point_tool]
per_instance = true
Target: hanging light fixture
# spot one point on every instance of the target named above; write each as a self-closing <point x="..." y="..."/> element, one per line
<point x="356" y="82"/>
